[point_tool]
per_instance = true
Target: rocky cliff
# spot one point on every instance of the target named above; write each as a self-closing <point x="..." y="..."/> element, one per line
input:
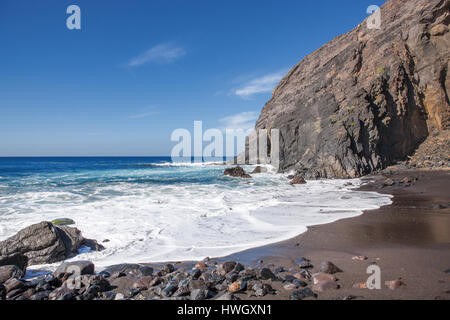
<point x="369" y="97"/>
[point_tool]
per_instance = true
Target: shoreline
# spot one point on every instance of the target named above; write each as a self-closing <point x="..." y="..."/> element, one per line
<point x="408" y="240"/>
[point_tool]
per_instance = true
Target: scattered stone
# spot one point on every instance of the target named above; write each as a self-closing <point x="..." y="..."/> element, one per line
<point x="360" y="258"/>
<point x="302" y="294"/>
<point x="17" y="259"/>
<point x="76" y="267"/>
<point x="388" y="182"/>
<point x="169" y="268"/>
<point x="318" y="277"/>
<point x="329" y="267"/>
<point x="362" y="285"/>
<point x="298" y="179"/>
<point x="394" y="284"/>
<point x="236" y="172"/>
<point x="266" y="274"/>
<point x="119" y="296"/>
<point x="237" y="286"/>
<point x="304" y="263"/>
<point x="200" y="266"/>
<point x="324" y="285"/>
<point x="290" y="286"/>
<point x="226" y="267"/>
<point x="9" y="272"/>
<point x="200" y="294"/>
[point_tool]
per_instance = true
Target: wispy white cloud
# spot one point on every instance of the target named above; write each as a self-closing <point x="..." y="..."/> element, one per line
<point x="148" y="112"/>
<point x="244" y="120"/>
<point x="264" y="84"/>
<point x="161" y="53"/>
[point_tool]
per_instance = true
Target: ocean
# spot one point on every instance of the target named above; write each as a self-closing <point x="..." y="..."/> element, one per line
<point x="149" y="209"/>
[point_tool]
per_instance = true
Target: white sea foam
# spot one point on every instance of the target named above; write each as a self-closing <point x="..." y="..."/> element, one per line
<point x="174" y="222"/>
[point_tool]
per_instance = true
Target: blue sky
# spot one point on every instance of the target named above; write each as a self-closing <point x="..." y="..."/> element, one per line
<point x="137" y="70"/>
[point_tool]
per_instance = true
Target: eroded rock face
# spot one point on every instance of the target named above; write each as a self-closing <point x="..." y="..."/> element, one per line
<point x="367" y="98"/>
<point x="44" y="243"/>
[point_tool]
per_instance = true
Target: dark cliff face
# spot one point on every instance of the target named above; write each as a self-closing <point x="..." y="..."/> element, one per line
<point x="367" y="98"/>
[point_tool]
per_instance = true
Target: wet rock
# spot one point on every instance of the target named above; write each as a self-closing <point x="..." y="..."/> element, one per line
<point x="8" y="272"/>
<point x="248" y="274"/>
<point x="17" y="259"/>
<point x="226" y="296"/>
<point x="2" y="292"/>
<point x="129" y="269"/>
<point x="303" y="274"/>
<point x="261" y="289"/>
<point x="42" y="295"/>
<point x="359" y="258"/>
<point x="13" y="294"/>
<point x="143" y="283"/>
<point x="200" y="266"/>
<point x="289" y="287"/>
<point x="168" y="268"/>
<point x="279" y="270"/>
<point x="298" y="179"/>
<point x="388" y="182"/>
<point x="304" y="263"/>
<point x="238" y="268"/>
<point x="232" y="277"/>
<point x="226" y="267"/>
<point x="394" y="284"/>
<point x="266" y="274"/>
<point x="302" y="294"/>
<point x="14" y="284"/>
<point x="76" y="267"/>
<point x="44" y="243"/>
<point x="237" y="286"/>
<point x="324" y="285"/>
<point x="299" y="283"/>
<point x="119" y="296"/>
<point x="329" y="267"/>
<point x="169" y="290"/>
<point x="236" y="172"/>
<point x="182" y="291"/>
<point x="200" y="294"/>
<point x="323" y="277"/>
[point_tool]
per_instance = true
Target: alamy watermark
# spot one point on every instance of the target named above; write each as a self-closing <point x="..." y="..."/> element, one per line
<point x="74" y="20"/>
<point x="374" y="21"/>
<point x="259" y="146"/>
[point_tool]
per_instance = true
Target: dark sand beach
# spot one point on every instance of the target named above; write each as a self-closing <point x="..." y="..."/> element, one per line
<point x="408" y="239"/>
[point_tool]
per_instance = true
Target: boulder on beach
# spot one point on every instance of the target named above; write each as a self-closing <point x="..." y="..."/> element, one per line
<point x="16" y="259"/>
<point x="329" y="267"/>
<point x="10" y="271"/>
<point x="77" y="267"/>
<point x="236" y="172"/>
<point x="45" y="243"/>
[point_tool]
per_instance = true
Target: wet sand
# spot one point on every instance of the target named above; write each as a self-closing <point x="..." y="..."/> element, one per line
<point x="409" y="239"/>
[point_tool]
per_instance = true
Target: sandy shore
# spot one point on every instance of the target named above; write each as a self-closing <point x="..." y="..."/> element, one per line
<point x="409" y="239"/>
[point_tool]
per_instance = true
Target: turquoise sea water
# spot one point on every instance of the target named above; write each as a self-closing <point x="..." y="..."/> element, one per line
<point x="150" y="209"/>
